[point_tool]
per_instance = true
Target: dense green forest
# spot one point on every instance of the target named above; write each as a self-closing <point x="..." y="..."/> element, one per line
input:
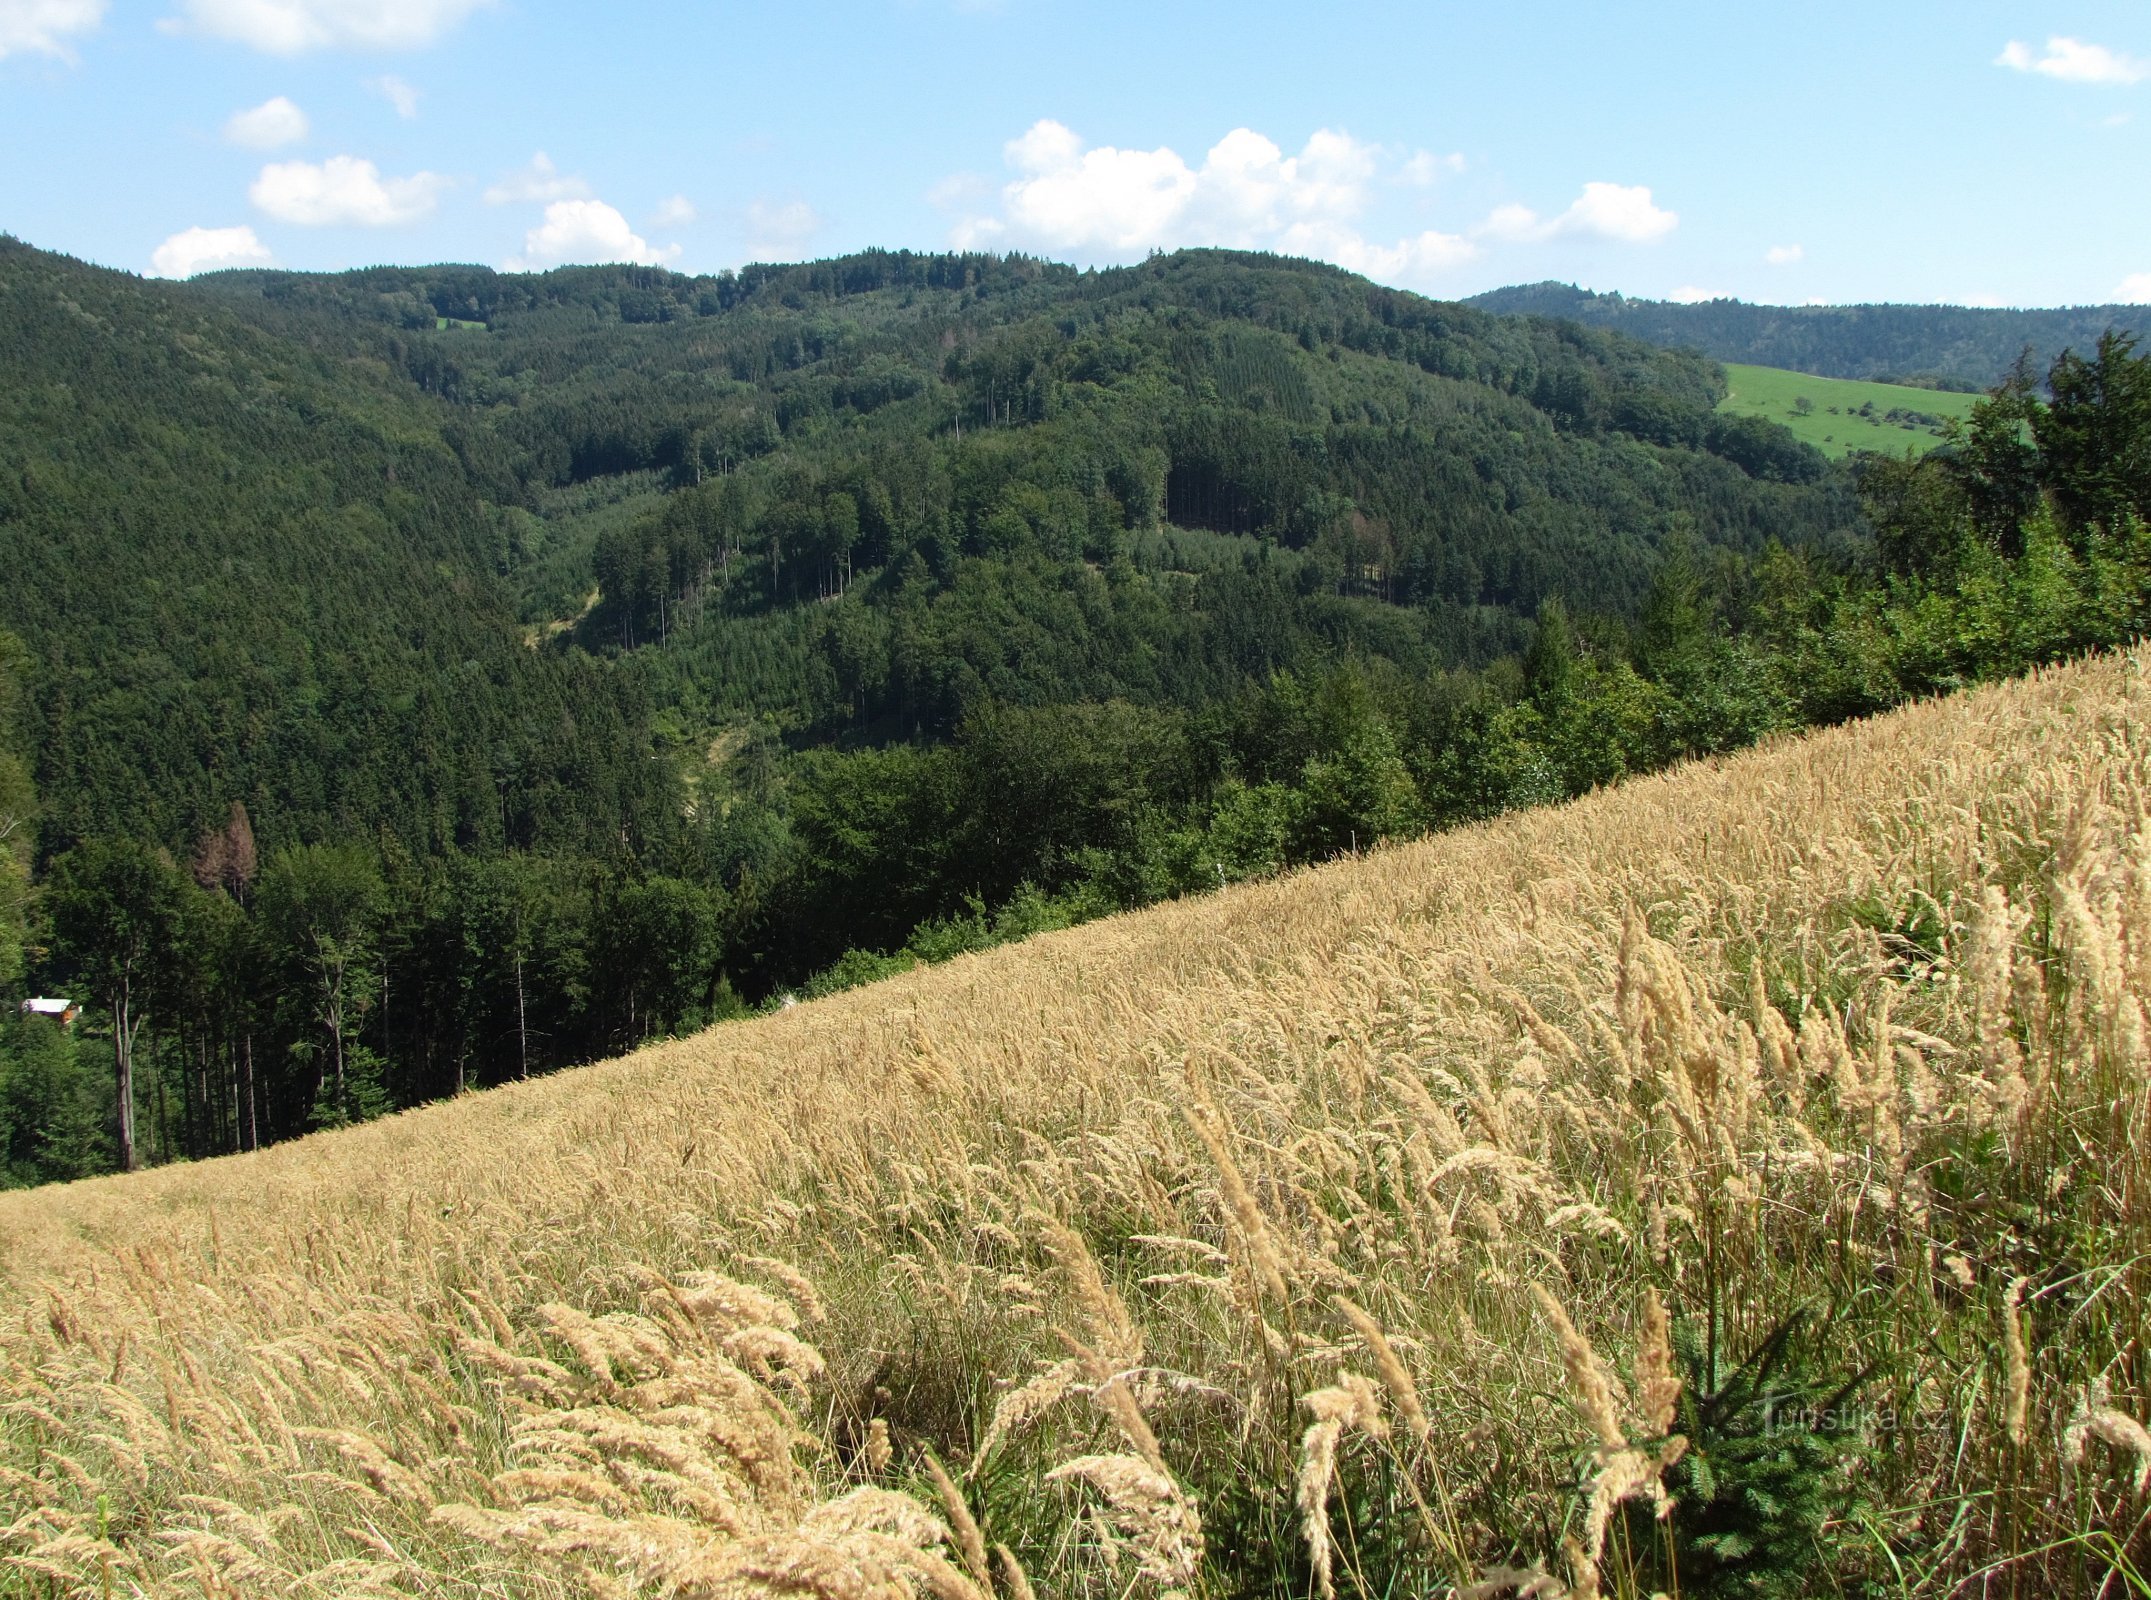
<point x="428" y="677"/>
<point x="1969" y="348"/>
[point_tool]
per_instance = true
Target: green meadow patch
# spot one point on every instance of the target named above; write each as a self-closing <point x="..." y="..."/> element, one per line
<point x="1838" y="415"/>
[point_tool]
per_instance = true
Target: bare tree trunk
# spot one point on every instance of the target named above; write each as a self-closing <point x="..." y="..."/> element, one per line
<point x="522" y="1022"/>
<point x="253" y="1127"/>
<point x="332" y="1010"/>
<point x="124" y="1026"/>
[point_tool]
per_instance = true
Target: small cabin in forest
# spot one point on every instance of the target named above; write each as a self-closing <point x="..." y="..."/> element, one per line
<point x="61" y="1011"/>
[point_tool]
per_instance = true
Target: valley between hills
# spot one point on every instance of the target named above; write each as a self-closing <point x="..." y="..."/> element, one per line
<point x="944" y="924"/>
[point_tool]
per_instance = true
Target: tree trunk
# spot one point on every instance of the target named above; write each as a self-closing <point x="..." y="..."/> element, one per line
<point x="522" y="1022"/>
<point x="332" y="1016"/>
<point x="123" y="1031"/>
<point x="253" y="1127"/>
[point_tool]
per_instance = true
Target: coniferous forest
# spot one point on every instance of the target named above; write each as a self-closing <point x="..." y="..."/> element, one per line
<point x="416" y="679"/>
<point x="1964" y="348"/>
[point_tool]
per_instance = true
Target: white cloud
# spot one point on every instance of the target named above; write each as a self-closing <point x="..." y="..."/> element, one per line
<point x="585" y="231"/>
<point x="1248" y="189"/>
<point x="1616" y="211"/>
<point x="536" y="183"/>
<point x="1689" y="295"/>
<point x="1425" y="168"/>
<point x="203" y="249"/>
<point x="1423" y="255"/>
<point x="1625" y="212"/>
<point x="345" y="191"/>
<point x="674" y="211"/>
<point x="2135" y="289"/>
<point x="43" y="26"/>
<point x="292" y="27"/>
<point x="1784" y="255"/>
<point x="1108" y="198"/>
<point x="2073" y="61"/>
<point x="268" y="125"/>
<point x="1514" y="223"/>
<point x="1247" y="194"/>
<point x="775" y="232"/>
<point x="397" y="93"/>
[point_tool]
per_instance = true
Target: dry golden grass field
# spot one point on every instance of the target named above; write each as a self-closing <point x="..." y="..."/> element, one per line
<point x="1730" y="1183"/>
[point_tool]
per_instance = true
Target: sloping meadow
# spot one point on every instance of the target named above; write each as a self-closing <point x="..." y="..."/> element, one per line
<point x="1732" y="1183"/>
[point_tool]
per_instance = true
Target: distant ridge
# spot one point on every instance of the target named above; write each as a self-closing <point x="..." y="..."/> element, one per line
<point x="1942" y="346"/>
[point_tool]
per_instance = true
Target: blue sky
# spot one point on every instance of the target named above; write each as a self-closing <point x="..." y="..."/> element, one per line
<point x="1893" y="149"/>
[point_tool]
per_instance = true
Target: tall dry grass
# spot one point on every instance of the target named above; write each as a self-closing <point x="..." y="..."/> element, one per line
<point x="1328" y="1234"/>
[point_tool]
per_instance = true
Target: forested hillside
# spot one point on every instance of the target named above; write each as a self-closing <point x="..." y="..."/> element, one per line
<point x="1730" y="1186"/>
<point x="432" y="676"/>
<point x="1964" y="347"/>
<point x="257" y="573"/>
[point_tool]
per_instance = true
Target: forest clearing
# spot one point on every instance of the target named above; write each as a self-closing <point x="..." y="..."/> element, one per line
<point x="1838" y="416"/>
<point x="1729" y="1182"/>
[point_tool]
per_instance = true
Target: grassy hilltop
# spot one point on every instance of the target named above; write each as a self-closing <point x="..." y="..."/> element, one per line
<point x="1762" y="1144"/>
<point x="1840" y="416"/>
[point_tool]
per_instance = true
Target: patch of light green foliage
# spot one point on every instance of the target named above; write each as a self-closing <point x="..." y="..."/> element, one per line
<point x="1840" y="416"/>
